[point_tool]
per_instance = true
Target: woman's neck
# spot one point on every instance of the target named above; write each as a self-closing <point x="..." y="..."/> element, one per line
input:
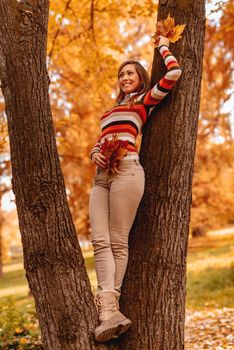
<point x="127" y="97"/>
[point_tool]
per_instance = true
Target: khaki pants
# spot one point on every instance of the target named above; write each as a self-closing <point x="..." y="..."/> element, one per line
<point x="112" y="209"/>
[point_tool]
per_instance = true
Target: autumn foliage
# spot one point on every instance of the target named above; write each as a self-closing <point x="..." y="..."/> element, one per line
<point x="87" y="41"/>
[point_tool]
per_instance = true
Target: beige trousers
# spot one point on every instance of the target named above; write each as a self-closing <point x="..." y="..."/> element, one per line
<point x="112" y="209"/>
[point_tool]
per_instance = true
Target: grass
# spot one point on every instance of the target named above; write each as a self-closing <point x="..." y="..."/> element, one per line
<point x="210" y="275"/>
<point x="210" y="272"/>
<point x="13" y="279"/>
<point x="212" y="287"/>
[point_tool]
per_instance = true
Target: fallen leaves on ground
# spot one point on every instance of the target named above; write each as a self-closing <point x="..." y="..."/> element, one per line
<point x="213" y="330"/>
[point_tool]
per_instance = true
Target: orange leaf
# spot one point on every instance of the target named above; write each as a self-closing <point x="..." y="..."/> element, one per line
<point x="114" y="150"/>
<point x="168" y="29"/>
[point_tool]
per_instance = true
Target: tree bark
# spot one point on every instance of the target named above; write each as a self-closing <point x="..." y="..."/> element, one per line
<point x="154" y="287"/>
<point x="3" y="190"/>
<point x="52" y="256"/>
<point x="1" y="248"/>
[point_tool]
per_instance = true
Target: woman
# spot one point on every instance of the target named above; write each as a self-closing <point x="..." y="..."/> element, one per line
<point x="115" y="198"/>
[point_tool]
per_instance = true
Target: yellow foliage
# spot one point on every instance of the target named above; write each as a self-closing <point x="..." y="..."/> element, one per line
<point x="85" y="57"/>
<point x="85" y="48"/>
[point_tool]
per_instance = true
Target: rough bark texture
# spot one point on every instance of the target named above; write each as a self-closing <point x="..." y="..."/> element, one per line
<point x="1" y="257"/>
<point x="3" y="189"/>
<point x="52" y="256"/>
<point x="154" y="287"/>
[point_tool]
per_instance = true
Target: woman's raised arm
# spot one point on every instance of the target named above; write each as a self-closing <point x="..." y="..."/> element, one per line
<point x="155" y="95"/>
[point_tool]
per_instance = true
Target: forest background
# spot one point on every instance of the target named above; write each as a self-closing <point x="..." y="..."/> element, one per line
<point x="85" y="48"/>
<point x="86" y="43"/>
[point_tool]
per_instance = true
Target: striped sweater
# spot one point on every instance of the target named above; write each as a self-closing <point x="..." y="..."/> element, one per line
<point x="126" y="120"/>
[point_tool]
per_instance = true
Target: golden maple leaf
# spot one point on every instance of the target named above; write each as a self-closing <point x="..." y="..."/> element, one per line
<point x="168" y="29"/>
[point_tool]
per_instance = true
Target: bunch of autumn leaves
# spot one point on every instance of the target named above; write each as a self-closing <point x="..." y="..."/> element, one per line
<point x="116" y="149"/>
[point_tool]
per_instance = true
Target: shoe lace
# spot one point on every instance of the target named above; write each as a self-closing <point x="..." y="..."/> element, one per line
<point x="117" y="303"/>
<point x="98" y="302"/>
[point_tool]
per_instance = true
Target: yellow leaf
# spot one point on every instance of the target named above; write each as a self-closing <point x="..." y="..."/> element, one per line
<point x="18" y="330"/>
<point x="179" y="28"/>
<point x="168" y="29"/>
<point x="169" y="22"/>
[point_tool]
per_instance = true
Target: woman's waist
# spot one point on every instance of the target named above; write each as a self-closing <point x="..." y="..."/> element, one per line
<point x="128" y="138"/>
<point x="128" y="144"/>
<point x="131" y="155"/>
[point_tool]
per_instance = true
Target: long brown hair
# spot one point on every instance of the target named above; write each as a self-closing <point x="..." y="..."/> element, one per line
<point x="144" y="85"/>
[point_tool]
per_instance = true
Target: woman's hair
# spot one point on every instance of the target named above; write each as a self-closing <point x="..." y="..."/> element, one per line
<point x="144" y="85"/>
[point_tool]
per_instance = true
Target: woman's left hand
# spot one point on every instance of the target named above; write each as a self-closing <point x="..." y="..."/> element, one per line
<point x="163" y="41"/>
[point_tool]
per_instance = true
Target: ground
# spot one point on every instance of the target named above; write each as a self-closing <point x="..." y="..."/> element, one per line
<point x="209" y="307"/>
<point x="212" y="330"/>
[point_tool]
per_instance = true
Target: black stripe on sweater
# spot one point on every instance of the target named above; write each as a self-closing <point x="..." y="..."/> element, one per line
<point x="162" y="89"/>
<point x="120" y="122"/>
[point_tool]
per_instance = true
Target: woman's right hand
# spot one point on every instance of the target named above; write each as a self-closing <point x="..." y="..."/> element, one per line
<point x="99" y="159"/>
<point x="163" y="41"/>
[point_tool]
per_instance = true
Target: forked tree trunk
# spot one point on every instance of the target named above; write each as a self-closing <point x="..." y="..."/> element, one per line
<point x="154" y="287"/>
<point x="52" y="256"/>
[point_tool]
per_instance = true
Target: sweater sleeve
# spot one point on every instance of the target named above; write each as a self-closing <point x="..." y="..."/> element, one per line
<point x="155" y="95"/>
<point x="96" y="148"/>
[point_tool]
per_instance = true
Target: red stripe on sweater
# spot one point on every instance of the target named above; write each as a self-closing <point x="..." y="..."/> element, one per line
<point x="114" y="130"/>
<point x="138" y="109"/>
<point x="149" y="99"/>
<point x="172" y="64"/>
<point x="166" y="85"/>
<point x="165" y="53"/>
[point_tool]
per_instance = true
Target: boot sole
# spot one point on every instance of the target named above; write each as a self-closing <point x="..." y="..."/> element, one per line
<point x="113" y="332"/>
<point x="106" y="335"/>
<point x="123" y="327"/>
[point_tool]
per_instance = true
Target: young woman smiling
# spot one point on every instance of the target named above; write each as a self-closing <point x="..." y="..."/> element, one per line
<point x="115" y="198"/>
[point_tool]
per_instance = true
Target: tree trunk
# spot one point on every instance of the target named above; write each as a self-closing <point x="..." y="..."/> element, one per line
<point x="3" y="190"/>
<point x="52" y="256"/>
<point x="1" y="255"/>
<point x="154" y="286"/>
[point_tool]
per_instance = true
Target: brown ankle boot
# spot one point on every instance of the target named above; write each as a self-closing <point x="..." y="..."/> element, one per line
<point x="113" y="322"/>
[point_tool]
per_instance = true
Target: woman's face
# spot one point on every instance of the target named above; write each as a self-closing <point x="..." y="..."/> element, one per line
<point x="129" y="79"/>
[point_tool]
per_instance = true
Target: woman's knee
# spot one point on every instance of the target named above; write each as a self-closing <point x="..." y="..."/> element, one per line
<point x="120" y="248"/>
<point x="100" y="244"/>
